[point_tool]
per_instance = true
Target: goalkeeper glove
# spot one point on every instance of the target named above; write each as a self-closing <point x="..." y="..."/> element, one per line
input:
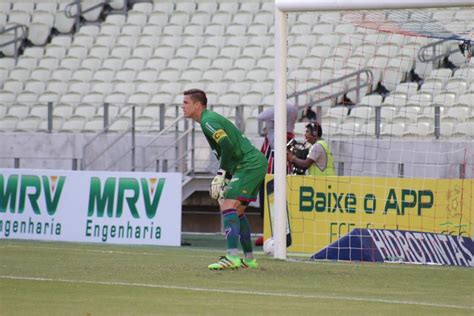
<point x="217" y="185"/>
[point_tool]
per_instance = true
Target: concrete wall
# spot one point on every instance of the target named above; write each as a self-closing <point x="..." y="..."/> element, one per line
<point x="426" y="158"/>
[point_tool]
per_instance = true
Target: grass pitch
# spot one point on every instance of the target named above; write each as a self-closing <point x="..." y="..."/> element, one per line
<point x="44" y="278"/>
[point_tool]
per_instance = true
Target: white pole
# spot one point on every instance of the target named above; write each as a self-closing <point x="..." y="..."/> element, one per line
<point x="314" y="5"/>
<point x="279" y="225"/>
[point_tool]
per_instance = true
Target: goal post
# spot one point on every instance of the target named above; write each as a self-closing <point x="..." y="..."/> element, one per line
<point x="282" y="7"/>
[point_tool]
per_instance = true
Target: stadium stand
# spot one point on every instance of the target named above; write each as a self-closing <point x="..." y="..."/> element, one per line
<point x="158" y="48"/>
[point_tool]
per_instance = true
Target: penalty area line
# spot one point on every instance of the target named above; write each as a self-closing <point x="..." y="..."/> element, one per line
<point x="197" y="289"/>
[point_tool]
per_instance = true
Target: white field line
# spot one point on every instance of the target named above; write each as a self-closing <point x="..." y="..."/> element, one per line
<point x="197" y="289"/>
<point x="113" y="251"/>
<point x="291" y="257"/>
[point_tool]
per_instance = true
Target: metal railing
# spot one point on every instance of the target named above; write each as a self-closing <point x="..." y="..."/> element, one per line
<point x="75" y="10"/>
<point x="431" y="53"/>
<point x="359" y="85"/>
<point x="20" y="32"/>
<point x="184" y="148"/>
<point x="180" y="144"/>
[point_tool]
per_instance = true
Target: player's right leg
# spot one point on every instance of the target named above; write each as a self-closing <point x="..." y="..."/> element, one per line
<point x="232" y="233"/>
<point x="226" y="262"/>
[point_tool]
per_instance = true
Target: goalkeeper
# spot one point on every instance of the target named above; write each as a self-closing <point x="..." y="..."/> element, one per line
<point x="242" y="170"/>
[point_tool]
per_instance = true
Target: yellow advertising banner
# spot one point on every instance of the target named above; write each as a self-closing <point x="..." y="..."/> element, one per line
<point x="321" y="210"/>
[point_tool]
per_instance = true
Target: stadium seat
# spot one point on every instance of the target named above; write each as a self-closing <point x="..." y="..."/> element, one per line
<point x="101" y="87"/>
<point x="465" y="129"/>
<point x="124" y="75"/>
<point x="348" y="129"/>
<point x="428" y="115"/>
<point x="229" y="99"/>
<point x="370" y="100"/>
<point x="28" y="124"/>
<point x="123" y="88"/>
<point x="366" y="50"/>
<point x="377" y="64"/>
<point x="465" y="72"/>
<point x="235" y="74"/>
<point x="456" y="114"/>
<point x="64" y="110"/>
<point x="457" y="86"/>
<point x="221" y="63"/>
<point x="19" y="17"/>
<point x="7" y="96"/>
<point x="91" y="63"/>
<point x="107" y="40"/>
<point x="74" y="124"/>
<point x="393" y="130"/>
<point x="201" y="63"/>
<point x="408" y="88"/>
<point x="38" y="33"/>
<point x="49" y="63"/>
<point x="408" y="114"/>
<point x="8" y="123"/>
<point x="18" y="110"/>
<point x="86" y="110"/>
<point x="139" y="98"/>
<point x="158" y="18"/>
<point x="7" y="63"/>
<point x="37" y="52"/>
<point x="27" y="62"/>
<point x="111" y="63"/>
<point x="70" y="63"/>
<point x="94" y="125"/>
<point x="421" y="99"/>
<point x="360" y="114"/>
<point x="41" y="74"/>
<point x="442" y="74"/>
<point x="446" y="129"/>
<point x="113" y="111"/>
<point x="118" y="99"/>
<point x="420" y="129"/>
<point x="100" y="52"/>
<point x="335" y="115"/>
<point x="21" y="74"/>
<point x="201" y="18"/>
<point x="26" y="97"/>
<point x="366" y="130"/>
<point x="178" y="63"/>
<point x="148" y="75"/>
<point x="115" y="19"/>
<point x="444" y="99"/>
<point x="3" y="110"/>
<point x="387" y="113"/>
<point x="466" y="99"/>
<point x="51" y="96"/>
<point x="95" y="98"/>
<point x="39" y="110"/>
<point x="432" y="86"/>
<point x="5" y="6"/>
<point x="137" y="18"/>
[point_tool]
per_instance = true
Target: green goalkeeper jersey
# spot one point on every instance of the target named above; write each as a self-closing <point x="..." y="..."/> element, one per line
<point x="232" y="148"/>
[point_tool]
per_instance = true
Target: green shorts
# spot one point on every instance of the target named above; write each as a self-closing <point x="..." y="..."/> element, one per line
<point x="245" y="184"/>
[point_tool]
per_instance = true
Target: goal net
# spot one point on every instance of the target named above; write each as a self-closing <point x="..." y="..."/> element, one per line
<point x="393" y="91"/>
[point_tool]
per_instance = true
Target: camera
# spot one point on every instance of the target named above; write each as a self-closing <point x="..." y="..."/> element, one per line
<point x="300" y="150"/>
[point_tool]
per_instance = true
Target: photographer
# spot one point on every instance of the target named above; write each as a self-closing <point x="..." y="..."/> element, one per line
<point x="319" y="161"/>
